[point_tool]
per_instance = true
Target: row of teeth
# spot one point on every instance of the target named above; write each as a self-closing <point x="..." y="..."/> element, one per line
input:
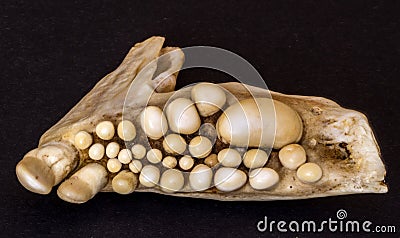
<point x="219" y="170"/>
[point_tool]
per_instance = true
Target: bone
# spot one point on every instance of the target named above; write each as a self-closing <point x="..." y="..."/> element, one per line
<point x="84" y="184"/>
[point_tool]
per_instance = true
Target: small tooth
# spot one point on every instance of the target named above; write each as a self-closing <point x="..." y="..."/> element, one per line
<point x="138" y="151"/>
<point x="229" y="158"/>
<point x="263" y="178"/>
<point x="174" y="144"/>
<point x="255" y="158"/>
<point x="149" y="176"/>
<point x="114" y="165"/>
<point x="211" y="160"/>
<point x="125" y="156"/>
<point x="169" y="162"/>
<point x="172" y="180"/>
<point x="200" y="147"/>
<point x="105" y="130"/>
<point x="126" y="130"/>
<point x="83" y="140"/>
<point x="124" y="182"/>
<point x="186" y="162"/>
<point x="200" y="177"/>
<point x="96" y="151"/>
<point x="135" y="166"/>
<point x="209" y="98"/>
<point x="154" y="156"/>
<point x="112" y="150"/>
<point x="84" y="184"/>
<point x="229" y="179"/>
<point x="153" y="122"/>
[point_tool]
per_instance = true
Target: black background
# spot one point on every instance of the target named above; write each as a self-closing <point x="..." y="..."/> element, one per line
<point x="53" y="52"/>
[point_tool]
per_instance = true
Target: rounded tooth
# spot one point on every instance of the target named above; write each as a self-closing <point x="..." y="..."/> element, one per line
<point x="169" y="162"/>
<point x="252" y="123"/>
<point x="126" y="130"/>
<point x="82" y="140"/>
<point x="211" y="160"/>
<point x="174" y="144"/>
<point x="154" y="156"/>
<point x="84" y="184"/>
<point x="138" y="151"/>
<point x="125" y="156"/>
<point x="124" y="182"/>
<point x="135" y="166"/>
<point x="292" y="156"/>
<point x="182" y="116"/>
<point x="229" y="179"/>
<point x="149" y="176"/>
<point x="200" y="177"/>
<point x="255" y="158"/>
<point x="114" y="165"/>
<point x="200" y="147"/>
<point x="171" y="181"/>
<point x="35" y="175"/>
<point x="186" y="162"/>
<point x="263" y="178"/>
<point x="112" y="150"/>
<point x="229" y="158"/>
<point x="153" y="122"/>
<point x="105" y="130"/>
<point x="309" y="173"/>
<point x="96" y="151"/>
<point x="209" y="98"/>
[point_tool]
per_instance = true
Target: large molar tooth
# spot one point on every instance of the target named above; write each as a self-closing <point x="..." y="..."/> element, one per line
<point x="84" y="184"/>
<point x="46" y="166"/>
<point x="260" y="122"/>
<point x="209" y="98"/>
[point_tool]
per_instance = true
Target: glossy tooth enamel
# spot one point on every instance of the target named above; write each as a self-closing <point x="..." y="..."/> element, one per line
<point x="309" y="173"/>
<point x="124" y="182"/>
<point x="211" y="160"/>
<point x="153" y="122"/>
<point x="186" y="162"/>
<point x="135" y="166"/>
<point x="84" y="184"/>
<point x="169" y="162"/>
<point x="263" y="178"/>
<point x="83" y="140"/>
<point x="292" y="156"/>
<point x="126" y="130"/>
<point x="138" y="151"/>
<point x="114" y="165"/>
<point x="174" y="144"/>
<point x="200" y="147"/>
<point x="96" y="151"/>
<point x="200" y="177"/>
<point x="149" y="176"/>
<point x="112" y="150"/>
<point x="154" y="156"/>
<point x="125" y="156"/>
<point x="229" y="179"/>
<point x="255" y="158"/>
<point x="229" y="158"/>
<point x="209" y="98"/>
<point x="171" y="181"/>
<point x="182" y="116"/>
<point x="105" y="130"/>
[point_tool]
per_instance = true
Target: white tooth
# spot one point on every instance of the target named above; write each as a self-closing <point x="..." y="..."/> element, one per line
<point x="252" y="123"/>
<point x="174" y="144"/>
<point x="200" y="177"/>
<point x="105" y="130"/>
<point x="124" y="182"/>
<point x="138" y="151"/>
<point x="309" y="173"/>
<point x="83" y="140"/>
<point x="182" y="116"/>
<point x="172" y="180"/>
<point x="125" y="156"/>
<point x="255" y="158"/>
<point x="153" y="122"/>
<point x="84" y="184"/>
<point x="229" y="158"/>
<point x="149" y="176"/>
<point x="292" y="156"/>
<point x="229" y="179"/>
<point x="96" y="151"/>
<point x="114" y="165"/>
<point x="112" y="150"/>
<point x="154" y="156"/>
<point x="209" y="98"/>
<point x="126" y="130"/>
<point x="200" y="147"/>
<point x="186" y="162"/>
<point x="169" y="162"/>
<point x="263" y="178"/>
<point x="135" y="166"/>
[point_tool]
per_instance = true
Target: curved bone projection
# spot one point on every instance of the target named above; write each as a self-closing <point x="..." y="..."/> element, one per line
<point x="342" y="155"/>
